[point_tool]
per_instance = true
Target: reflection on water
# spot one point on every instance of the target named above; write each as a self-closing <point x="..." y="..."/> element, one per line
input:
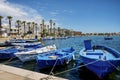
<point x="76" y="74"/>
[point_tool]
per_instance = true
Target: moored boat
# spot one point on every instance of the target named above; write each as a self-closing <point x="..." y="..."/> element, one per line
<point x="31" y="54"/>
<point x="104" y="60"/>
<point x="108" y="38"/>
<point x="5" y="44"/>
<point x="28" y="45"/>
<point x="56" y="57"/>
<point x="8" y="52"/>
<point x="31" y="40"/>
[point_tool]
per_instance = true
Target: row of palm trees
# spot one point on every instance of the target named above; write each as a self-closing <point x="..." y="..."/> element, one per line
<point x="33" y="28"/>
<point x="9" y="19"/>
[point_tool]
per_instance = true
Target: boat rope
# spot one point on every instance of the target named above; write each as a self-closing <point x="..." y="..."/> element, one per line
<point x="76" y="67"/>
<point x="6" y="62"/>
<point x="49" y="76"/>
<point x="51" y="72"/>
<point x="117" y="68"/>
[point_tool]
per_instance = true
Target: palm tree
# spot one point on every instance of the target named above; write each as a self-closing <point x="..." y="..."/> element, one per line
<point x="10" y="19"/>
<point x="24" y="24"/>
<point x="43" y="24"/>
<point x="44" y="33"/>
<point x="54" y="29"/>
<point x="1" y="25"/>
<point x="50" y="25"/>
<point x="18" y="25"/>
<point x="29" y="27"/>
<point x="48" y="29"/>
<point x="59" y="31"/>
<point x="63" y="32"/>
<point x="41" y="28"/>
<point x="33" y="25"/>
<point x="36" y="28"/>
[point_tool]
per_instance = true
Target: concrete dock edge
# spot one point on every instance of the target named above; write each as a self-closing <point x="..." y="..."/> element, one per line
<point x="10" y="73"/>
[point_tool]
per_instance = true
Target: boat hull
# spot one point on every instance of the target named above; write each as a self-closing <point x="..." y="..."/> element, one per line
<point x="26" y="57"/>
<point x="100" y="66"/>
<point x="7" y="56"/>
<point x="108" y="38"/>
<point x="8" y="53"/>
<point x="31" y="54"/>
<point x="59" y="61"/>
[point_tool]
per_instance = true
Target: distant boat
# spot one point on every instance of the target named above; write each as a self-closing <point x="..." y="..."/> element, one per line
<point x="108" y="37"/>
<point x="99" y="59"/>
<point x="31" y="54"/>
<point x="57" y="58"/>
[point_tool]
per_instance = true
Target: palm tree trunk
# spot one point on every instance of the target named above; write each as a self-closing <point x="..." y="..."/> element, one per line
<point x="10" y="26"/>
<point x="0" y="28"/>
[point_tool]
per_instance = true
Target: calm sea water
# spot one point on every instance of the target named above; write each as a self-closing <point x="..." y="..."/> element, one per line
<point x="77" y="44"/>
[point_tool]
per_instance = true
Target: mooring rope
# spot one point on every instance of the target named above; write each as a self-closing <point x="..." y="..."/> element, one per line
<point x="6" y="62"/>
<point x="76" y="67"/>
<point x="51" y="72"/>
<point x="53" y="66"/>
<point x="49" y="77"/>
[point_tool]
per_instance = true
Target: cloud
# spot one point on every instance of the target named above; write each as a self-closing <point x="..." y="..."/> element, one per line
<point x="18" y="12"/>
<point x="67" y="11"/>
<point x="54" y="13"/>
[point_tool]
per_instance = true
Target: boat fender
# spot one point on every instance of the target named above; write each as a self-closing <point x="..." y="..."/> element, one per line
<point x="66" y="61"/>
<point x="73" y="56"/>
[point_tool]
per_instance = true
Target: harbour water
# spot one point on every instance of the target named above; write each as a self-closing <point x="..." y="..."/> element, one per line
<point x="77" y="44"/>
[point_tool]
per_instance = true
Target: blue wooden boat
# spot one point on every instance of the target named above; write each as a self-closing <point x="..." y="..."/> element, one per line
<point x="28" y="45"/>
<point x="32" y="40"/>
<point x="5" y="44"/>
<point x="8" y="52"/>
<point x="101" y="60"/>
<point x="14" y="40"/>
<point x="108" y="38"/>
<point x="56" y="57"/>
<point x="17" y="40"/>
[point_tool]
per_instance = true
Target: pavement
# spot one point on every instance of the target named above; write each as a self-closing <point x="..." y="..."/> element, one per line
<point x="13" y="73"/>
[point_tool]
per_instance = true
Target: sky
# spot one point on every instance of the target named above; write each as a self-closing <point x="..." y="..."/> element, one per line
<point x="88" y="16"/>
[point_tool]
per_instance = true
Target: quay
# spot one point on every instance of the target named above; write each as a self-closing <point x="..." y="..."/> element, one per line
<point x="13" y="73"/>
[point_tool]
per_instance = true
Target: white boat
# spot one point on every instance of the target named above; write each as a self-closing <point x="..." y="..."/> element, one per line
<point x="26" y="44"/>
<point x="31" y="54"/>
